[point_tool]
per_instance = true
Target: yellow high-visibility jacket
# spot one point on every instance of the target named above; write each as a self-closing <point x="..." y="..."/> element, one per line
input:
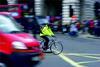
<point x="46" y="31"/>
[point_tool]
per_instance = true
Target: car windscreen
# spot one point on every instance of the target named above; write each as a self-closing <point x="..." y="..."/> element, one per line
<point x="8" y="25"/>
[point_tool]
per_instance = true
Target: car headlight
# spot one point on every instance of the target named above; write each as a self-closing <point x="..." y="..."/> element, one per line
<point x="19" y="45"/>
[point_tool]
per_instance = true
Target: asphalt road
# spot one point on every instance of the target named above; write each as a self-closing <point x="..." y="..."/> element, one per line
<point x="78" y="52"/>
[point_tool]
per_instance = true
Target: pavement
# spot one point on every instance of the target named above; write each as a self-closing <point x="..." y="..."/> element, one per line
<point x="86" y="35"/>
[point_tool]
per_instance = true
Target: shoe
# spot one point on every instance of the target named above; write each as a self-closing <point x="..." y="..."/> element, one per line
<point x="44" y="48"/>
<point x="47" y="51"/>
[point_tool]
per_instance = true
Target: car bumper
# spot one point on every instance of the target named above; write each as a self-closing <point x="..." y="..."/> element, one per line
<point x="27" y="56"/>
<point x="21" y="59"/>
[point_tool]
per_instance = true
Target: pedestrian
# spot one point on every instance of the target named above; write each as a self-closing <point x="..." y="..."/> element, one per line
<point x="97" y="28"/>
<point x="73" y="30"/>
<point x="84" y="26"/>
<point x="91" y="27"/>
<point x="32" y="26"/>
<point x="78" y="25"/>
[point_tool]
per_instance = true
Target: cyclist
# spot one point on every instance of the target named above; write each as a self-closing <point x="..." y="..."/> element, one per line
<point x="45" y="32"/>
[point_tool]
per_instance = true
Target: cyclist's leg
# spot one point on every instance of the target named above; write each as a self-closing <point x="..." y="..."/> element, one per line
<point x="46" y="41"/>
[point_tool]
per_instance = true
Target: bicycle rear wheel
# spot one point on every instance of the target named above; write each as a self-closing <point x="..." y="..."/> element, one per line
<point x="56" y="47"/>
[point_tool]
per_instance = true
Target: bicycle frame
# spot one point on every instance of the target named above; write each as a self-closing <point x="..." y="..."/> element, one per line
<point x="54" y="45"/>
<point x="51" y="39"/>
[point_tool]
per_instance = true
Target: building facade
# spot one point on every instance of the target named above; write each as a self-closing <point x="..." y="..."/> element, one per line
<point x="82" y="9"/>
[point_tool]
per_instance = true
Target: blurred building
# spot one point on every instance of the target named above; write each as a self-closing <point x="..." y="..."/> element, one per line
<point x="82" y="9"/>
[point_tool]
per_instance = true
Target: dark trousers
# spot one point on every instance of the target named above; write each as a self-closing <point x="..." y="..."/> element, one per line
<point x="46" y="41"/>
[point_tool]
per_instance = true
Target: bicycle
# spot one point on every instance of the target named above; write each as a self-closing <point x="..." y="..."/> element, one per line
<point x="54" y="45"/>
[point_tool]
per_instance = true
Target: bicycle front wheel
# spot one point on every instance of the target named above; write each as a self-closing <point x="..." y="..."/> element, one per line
<point x="56" y="47"/>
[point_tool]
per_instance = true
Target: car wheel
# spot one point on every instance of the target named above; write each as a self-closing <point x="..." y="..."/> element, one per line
<point x="4" y="60"/>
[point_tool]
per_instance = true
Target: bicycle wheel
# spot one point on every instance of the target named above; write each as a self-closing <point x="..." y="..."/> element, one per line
<point x="56" y="47"/>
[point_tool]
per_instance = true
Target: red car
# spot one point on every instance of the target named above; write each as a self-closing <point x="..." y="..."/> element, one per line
<point x="16" y="47"/>
<point x="16" y="10"/>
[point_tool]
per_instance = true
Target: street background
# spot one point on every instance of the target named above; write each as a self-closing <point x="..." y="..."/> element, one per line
<point x="81" y="51"/>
